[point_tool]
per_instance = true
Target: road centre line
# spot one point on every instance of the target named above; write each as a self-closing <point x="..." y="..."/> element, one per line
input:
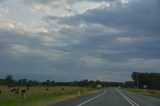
<point x="127" y="99"/>
<point x="91" y="99"/>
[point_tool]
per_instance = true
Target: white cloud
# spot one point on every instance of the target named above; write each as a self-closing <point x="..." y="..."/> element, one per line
<point x="91" y="61"/>
<point x="133" y="39"/>
<point x="8" y="24"/>
<point x="64" y="8"/>
<point x="83" y="6"/>
<point x="18" y="50"/>
<point x="125" y="39"/>
<point x="50" y="7"/>
<point x="124" y="1"/>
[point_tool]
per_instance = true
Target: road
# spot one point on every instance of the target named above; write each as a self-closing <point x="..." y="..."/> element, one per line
<point x="112" y="97"/>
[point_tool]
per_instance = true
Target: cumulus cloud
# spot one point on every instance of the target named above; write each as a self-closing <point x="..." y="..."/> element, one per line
<point x="63" y="8"/>
<point x="94" y="39"/>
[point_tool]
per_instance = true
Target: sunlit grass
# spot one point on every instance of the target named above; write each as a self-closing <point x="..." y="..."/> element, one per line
<point x="39" y="96"/>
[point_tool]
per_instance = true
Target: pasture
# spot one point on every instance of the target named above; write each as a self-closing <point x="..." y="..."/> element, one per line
<point x="39" y="96"/>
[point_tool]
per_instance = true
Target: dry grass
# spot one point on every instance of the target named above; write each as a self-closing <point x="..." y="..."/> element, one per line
<point x="39" y="96"/>
<point x="153" y="93"/>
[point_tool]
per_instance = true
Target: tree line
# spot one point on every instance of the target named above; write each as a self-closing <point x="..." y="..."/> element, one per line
<point x="10" y="82"/>
<point x="146" y="80"/>
<point x="139" y="80"/>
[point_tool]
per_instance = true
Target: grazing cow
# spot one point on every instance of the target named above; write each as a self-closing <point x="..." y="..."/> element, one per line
<point x="62" y="89"/>
<point x="46" y="89"/>
<point x="12" y="90"/>
<point x="23" y="92"/>
<point x="17" y="92"/>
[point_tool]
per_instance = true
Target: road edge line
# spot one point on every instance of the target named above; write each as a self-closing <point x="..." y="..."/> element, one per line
<point x="91" y="99"/>
<point x="150" y="97"/>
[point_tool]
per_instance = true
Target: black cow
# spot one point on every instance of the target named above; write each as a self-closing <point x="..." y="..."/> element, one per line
<point x="23" y="92"/>
<point x="17" y="92"/>
<point x="12" y="90"/>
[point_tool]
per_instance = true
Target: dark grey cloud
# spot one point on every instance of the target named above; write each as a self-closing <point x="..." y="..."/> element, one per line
<point x="135" y="16"/>
<point x="136" y="19"/>
<point x="103" y="43"/>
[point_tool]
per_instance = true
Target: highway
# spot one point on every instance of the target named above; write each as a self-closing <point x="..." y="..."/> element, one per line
<point x="112" y="97"/>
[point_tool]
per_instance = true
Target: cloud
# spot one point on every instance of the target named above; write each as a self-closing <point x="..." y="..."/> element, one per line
<point x="22" y="27"/>
<point x="64" y="8"/>
<point x="106" y="39"/>
<point x="129" y="17"/>
<point x="3" y="9"/>
<point x="91" y="61"/>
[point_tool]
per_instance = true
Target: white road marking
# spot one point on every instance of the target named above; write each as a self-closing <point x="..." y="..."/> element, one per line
<point x="91" y="99"/>
<point x="127" y="99"/>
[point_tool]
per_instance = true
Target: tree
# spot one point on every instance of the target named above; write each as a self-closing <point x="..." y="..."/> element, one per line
<point x="22" y="82"/>
<point x="2" y="82"/>
<point x="10" y="81"/>
<point x="48" y="83"/>
<point x="151" y="80"/>
<point x="129" y="84"/>
<point x="52" y="83"/>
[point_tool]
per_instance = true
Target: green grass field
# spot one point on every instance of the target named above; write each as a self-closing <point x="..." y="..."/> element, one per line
<point x="153" y="93"/>
<point x="39" y="96"/>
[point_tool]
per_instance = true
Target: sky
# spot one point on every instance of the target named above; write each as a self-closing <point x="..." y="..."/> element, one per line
<point x="68" y="40"/>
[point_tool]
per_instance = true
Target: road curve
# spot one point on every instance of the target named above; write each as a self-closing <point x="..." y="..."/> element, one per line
<point x="112" y="97"/>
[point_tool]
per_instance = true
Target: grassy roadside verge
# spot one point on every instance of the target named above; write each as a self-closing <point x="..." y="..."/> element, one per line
<point x="39" y="96"/>
<point x="152" y="93"/>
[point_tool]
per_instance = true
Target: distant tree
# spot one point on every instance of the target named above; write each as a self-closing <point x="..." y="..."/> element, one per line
<point x="92" y="83"/>
<point x="52" y="83"/>
<point x="29" y="83"/>
<point x="9" y="78"/>
<point x="129" y="84"/>
<point x="22" y="82"/>
<point x="98" y="82"/>
<point x="48" y="83"/>
<point x="2" y="82"/>
<point x="84" y="82"/>
<point x="10" y="81"/>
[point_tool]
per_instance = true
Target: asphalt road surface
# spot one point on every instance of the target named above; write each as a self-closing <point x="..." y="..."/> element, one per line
<point x="112" y="97"/>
